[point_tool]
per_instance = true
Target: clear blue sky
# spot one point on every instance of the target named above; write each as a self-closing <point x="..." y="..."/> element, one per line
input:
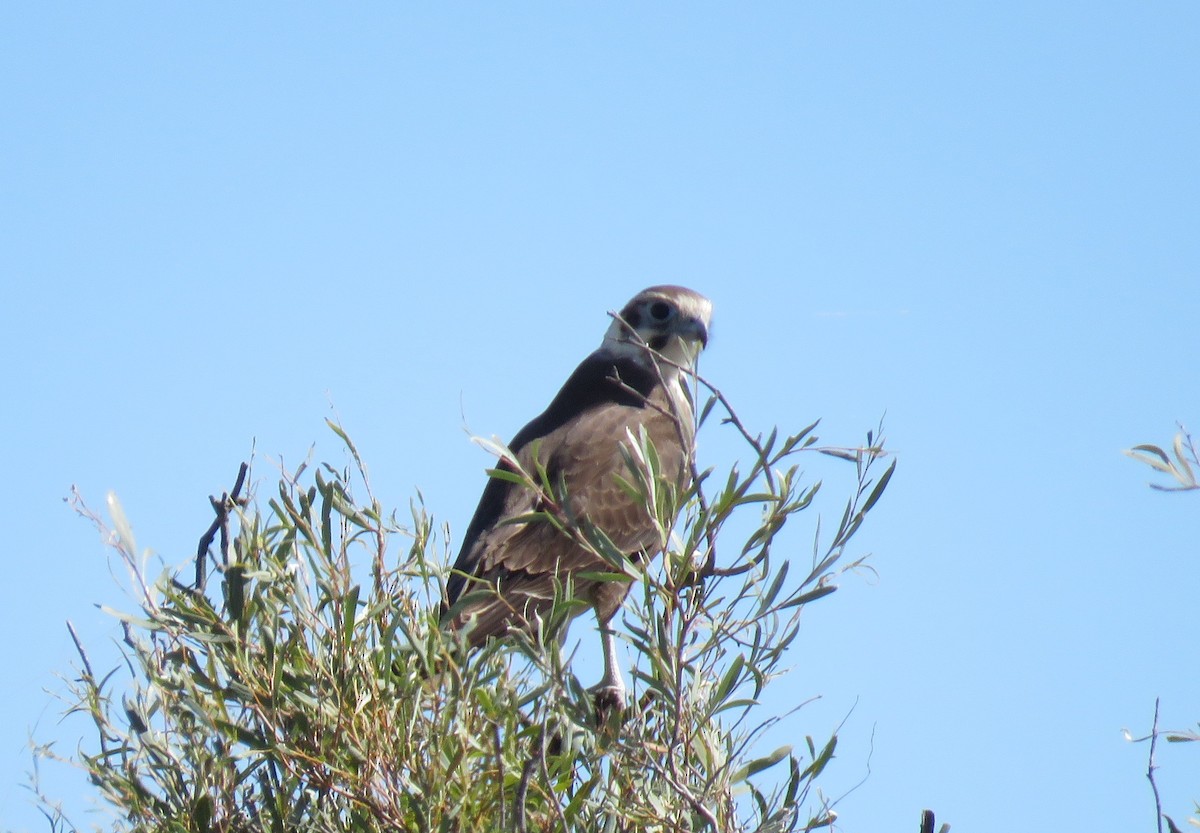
<point x="218" y="222"/>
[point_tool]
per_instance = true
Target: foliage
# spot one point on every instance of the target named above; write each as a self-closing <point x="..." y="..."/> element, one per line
<point x="1183" y="467"/>
<point x="305" y="692"/>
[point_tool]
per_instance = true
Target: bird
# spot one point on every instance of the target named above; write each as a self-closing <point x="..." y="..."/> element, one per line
<point x="634" y="384"/>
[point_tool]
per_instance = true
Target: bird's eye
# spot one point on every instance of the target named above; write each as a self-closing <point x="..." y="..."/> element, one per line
<point x="661" y="310"/>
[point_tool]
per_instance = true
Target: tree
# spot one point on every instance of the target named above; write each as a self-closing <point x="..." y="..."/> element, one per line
<point x="311" y="687"/>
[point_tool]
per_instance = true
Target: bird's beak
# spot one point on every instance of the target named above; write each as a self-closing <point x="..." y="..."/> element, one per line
<point x="695" y="330"/>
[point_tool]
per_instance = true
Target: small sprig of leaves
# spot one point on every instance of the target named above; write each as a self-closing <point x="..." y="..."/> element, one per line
<point x="1182" y="466"/>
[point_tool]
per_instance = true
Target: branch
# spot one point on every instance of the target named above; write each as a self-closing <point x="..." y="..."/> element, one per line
<point x="89" y="681"/>
<point x="220" y="524"/>
<point x="1151" y="767"/>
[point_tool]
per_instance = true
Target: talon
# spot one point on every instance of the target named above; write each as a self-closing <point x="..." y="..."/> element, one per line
<point x="608" y="701"/>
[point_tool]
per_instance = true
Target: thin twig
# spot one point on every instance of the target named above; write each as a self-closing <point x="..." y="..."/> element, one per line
<point x="672" y="776"/>
<point x="499" y="746"/>
<point x="522" y="794"/>
<point x="220" y="524"/>
<point x="89" y="679"/>
<point x="1152" y="766"/>
<point x="87" y="666"/>
<point x="547" y="782"/>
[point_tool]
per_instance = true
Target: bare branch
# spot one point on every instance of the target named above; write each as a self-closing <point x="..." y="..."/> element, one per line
<point x="220" y="524"/>
<point x="1151" y="766"/>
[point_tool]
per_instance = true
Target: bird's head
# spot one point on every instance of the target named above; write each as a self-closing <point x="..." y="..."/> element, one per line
<point x="672" y="321"/>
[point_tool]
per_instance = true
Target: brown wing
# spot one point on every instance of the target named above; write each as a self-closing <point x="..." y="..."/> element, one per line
<point x="522" y="561"/>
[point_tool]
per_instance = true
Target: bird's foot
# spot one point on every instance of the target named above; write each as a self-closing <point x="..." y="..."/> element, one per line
<point x="609" y="702"/>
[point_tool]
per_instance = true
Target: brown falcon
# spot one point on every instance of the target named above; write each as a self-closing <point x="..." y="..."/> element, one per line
<point x="635" y="382"/>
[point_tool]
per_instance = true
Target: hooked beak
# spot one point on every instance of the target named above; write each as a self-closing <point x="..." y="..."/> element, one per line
<point x="695" y="330"/>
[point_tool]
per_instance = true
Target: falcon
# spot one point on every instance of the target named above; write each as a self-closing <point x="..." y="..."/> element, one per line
<point x="634" y="384"/>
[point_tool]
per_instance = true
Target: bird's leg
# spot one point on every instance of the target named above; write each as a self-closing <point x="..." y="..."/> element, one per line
<point x="609" y="693"/>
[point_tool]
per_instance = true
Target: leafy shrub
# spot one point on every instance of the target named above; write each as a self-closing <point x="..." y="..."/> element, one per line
<point x="311" y="688"/>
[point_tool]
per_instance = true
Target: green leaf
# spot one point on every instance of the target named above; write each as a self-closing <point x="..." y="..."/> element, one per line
<point x="819" y="763"/>
<point x="759" y="764"/>
<point x="811" y="596"/>
<point x="1188" y="477"/>
<point x="121" y="524"/>
<point x="729" y="681"/>
<point x="740" y="703"/>
<point x="592" y="575"/>
<point x="768" y="598"/>
<point x="349" y="614"/>
<point x="877" y="492"/>
<point x="506" y="475"/>
<point x="1151" y="449"/>
<point x="1163" y="466"/>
